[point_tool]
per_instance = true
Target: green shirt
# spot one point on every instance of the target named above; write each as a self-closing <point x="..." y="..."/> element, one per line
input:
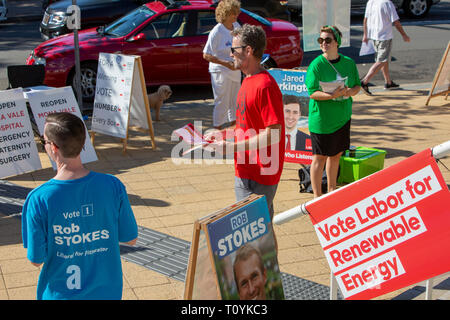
<point x="327" y="116"/>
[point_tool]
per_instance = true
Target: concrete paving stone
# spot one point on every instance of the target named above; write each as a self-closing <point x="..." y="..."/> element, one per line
<point x="138" y="276"/>
<point x="285" y="241"/>
<point x="315" y="251"/>
<point x="128" y="294"/>
<point x="298" y="225"/>
<point x="4" y="295"/>
<point x="21" y="279"/>
<point x="158" y="292"/>
<point x="2" y="282"/>
<point x="305" y="269"/>
<point x="17" y="265"/>
<point x="182" y="190"/>
<point x="23" y="293"/>
<point x="323" y="279"/>
<point x="178" y="220"/>
<point x="128" y="177"/>
<point x="142" y="212"/>
<point x="171" y="182"/>
<point x="155" y="191"/>
<point x="14" y="251"/>
<point x="223" y="194"/>
<point x="293" y="255"/>
<point x="151" y="223"/>
<point x="142" y="185"/>
<point x="306" y="238"/>
<point x="182" y="231"/>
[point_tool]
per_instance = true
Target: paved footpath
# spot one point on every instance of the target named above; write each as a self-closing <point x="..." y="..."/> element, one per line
<point x="167" y="198"/>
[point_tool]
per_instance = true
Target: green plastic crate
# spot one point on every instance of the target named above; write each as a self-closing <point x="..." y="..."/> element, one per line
<point x="365" y="162"/>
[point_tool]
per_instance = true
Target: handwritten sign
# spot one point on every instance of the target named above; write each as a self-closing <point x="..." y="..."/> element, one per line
<point x="45" y="102"/>
<point x="112" y="94"/>
<point x="388" y="230"/>
<point x="18" y="151"/>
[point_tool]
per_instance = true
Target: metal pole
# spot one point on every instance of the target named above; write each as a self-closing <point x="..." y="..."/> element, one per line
<point x="77" y="63"/>
<point x="429" y="289"/>
<point x="441" y="150"/>
<point x="333" y="287"/>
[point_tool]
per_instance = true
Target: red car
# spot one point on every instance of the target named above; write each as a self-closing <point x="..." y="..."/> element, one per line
<point x="169" y="39"/>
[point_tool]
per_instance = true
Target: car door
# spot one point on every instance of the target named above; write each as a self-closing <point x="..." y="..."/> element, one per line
<point x="203" y="22"/>
<point x="163" y="48"/>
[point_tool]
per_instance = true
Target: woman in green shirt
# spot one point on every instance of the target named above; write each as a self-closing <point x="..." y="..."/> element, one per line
<point x="330" y="109"/>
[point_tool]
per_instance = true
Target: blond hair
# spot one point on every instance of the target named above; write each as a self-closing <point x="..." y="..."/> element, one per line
<point x="225" y="8"/>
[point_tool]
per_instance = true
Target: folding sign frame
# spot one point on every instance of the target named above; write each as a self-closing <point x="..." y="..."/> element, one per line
<point x="442" y="74"/>
<point x="139" y="92"/>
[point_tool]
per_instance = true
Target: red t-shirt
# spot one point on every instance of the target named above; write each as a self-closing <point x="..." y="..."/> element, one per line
<point x="259" y="105"/>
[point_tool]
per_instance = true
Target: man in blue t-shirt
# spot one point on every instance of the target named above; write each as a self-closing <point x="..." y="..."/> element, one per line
<point x="74" y="222"/>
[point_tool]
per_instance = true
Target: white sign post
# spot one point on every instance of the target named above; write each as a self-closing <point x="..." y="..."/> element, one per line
<point x="18" y="151"/>
<point x="45" y="102"/>
<point x="120" y="97"/>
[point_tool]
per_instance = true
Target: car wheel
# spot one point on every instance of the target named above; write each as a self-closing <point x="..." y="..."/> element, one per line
<point x="417" y="8"/>
<point x="88" y="77"/>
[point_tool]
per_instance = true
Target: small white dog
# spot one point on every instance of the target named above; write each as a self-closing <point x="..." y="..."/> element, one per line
<point x="156" y="99"/>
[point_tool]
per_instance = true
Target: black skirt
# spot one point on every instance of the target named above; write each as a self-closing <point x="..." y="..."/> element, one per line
<point x="332" y="143"/>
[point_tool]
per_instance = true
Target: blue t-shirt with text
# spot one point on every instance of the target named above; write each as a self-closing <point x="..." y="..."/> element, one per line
<point x="74" y="228"/>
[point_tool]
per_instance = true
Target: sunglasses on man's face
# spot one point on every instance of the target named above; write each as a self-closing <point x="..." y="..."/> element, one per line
<point x="233" y="49"/>
<point x="44" y="142"/>
<point x="327" y="40"/>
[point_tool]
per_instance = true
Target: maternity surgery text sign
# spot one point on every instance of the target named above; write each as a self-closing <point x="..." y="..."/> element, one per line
<point x="386" y="231"/>
<point x="18" y="151"/>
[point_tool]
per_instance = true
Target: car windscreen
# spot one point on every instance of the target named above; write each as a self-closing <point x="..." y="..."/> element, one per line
<point x="124" y="25"/>
<point x="257" y="17"/>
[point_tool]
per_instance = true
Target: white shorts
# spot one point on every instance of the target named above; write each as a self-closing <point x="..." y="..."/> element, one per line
<point x="225" y="95"/>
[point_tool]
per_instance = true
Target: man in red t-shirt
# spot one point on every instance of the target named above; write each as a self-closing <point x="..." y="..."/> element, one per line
<point x="259" y="155"/>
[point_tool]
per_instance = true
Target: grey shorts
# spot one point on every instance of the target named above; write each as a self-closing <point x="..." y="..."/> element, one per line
<point x="245" y="187"/>
<point x="382" y="50"/>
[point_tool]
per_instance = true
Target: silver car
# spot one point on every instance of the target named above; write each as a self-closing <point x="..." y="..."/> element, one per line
<point x="412" y="8"/>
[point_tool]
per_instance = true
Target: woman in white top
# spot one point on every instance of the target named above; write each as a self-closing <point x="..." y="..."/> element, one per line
<point x="225" y="79"/>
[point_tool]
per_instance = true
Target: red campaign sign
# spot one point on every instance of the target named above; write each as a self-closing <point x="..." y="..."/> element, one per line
<point x="388" y="230"/>
<point x="303" y="156"/>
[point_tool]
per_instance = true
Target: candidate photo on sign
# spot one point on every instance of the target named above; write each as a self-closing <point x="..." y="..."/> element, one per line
<point x="295" y="138"/>
<point x="251" y="272"/>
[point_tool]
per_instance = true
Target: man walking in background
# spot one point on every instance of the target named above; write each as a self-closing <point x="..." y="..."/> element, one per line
<point x="378" y="20"/>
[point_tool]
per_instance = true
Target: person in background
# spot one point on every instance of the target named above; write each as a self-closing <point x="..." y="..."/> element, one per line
<point x="225" y="78"/>
<point x="330" y="112"/>
<point x="378" y="20"/>
<point x="72" y="224"/>
<point x="258" y="144"/>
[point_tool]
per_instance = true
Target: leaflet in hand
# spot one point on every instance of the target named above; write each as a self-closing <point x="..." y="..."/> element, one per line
<point x="330" y="87"/>
<point x="190" y="135"/>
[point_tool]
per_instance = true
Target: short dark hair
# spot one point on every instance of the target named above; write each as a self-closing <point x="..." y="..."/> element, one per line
<point x="253" y="36"/>
<point x="67" y="131"/>
<point x="288" y="99"/>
